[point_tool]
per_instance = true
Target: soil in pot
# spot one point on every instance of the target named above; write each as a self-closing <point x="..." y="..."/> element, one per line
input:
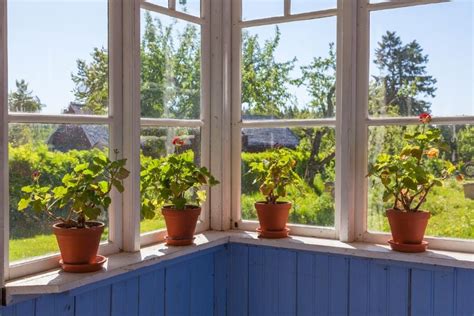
<point x="273" y="219"/>
<point x="79" y="246"/>
<point x="408" y="228"/>
<point x="180" y="224"/>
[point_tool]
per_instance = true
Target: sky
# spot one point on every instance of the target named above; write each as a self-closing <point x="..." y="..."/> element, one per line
<point x="46" y="37"/>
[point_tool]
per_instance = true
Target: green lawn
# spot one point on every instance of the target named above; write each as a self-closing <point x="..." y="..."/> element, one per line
<point x="41" y="245"/>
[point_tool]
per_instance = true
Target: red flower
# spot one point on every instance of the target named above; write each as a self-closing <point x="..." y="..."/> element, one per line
<point x="35" y="175"/>
<point x="425" y="118"/>
<point x="178" y="142"/>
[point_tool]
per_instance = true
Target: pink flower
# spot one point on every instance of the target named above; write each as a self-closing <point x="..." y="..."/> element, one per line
<point x="425" y="118"/>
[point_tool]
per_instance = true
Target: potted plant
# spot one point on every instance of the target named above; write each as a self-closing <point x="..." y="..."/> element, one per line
<point x="75" y="206"/>
<point x="408" y="177"/>
<point x="174" y="183"/>
<point x="274" y="173"/>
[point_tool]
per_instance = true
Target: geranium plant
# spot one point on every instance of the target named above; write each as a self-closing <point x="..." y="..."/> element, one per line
<point x="409" y="176"/>
<point x="275" y="173"/>
<point x="173" y="180"/>
<point x="84" y="192"/>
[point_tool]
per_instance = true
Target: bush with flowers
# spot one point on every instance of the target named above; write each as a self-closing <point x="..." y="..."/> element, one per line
<point x="175" y="180"/>
<point x="409" y="176"/>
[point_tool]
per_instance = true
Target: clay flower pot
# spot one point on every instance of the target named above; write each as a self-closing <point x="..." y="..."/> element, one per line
<point x="180" y="224"/>
<point x="273" y="218"/>
<point x="408" y="230"/>
<point x="79" y="246"/>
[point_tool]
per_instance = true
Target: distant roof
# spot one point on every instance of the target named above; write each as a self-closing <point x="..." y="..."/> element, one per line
<point x="77" y="108"/>
<point x="98" y="135"/>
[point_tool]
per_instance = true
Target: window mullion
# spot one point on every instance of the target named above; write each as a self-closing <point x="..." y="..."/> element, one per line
<point x="4" y="198"/>
<point x="131" y="123"/>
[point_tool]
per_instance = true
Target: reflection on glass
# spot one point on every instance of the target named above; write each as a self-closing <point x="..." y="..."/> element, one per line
<point x="414" y="70"/>
<point x="282" y="78"/>
<point x="452" y="205"/>
<point x="259" y="9"/>
<point x="314" y="150"/>
<point x="302" y="6"/>
<point x="53" y="150"/>
<point x="156" y="143"/>
<point x="170" y="67"/>
<point x="53" y="61"/>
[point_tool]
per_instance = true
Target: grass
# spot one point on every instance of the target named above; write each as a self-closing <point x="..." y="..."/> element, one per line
<point x="41" y="245"/>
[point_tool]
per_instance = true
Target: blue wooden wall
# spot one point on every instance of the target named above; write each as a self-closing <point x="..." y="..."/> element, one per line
<point x="238" y="279"/>
<point x="270" y="281"/>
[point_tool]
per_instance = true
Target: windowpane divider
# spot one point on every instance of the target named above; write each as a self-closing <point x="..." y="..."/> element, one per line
<point x="289" y="18"/>
<point x="384" y="121"/>
<point x="175" y="14"/>
<point x="288" y="123"/>
<point x="400" y="4"/>
<point x="149" y="122"/>
<point x="58" y="119"/>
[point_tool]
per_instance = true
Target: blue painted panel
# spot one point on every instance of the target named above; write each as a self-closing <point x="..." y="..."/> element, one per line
<point x="398" y="290"/>
<point x="24" y="308"/>
<point x="220" y="282"/>
<point x="443" y="297"/>
<point x="177" y="289"/>
<point x="125" y="298"/>
<point x="339" y="285"/>
<point x="421" y="292"/>
<point x="202" y="286"/>
<point x="95" y="302"/>
<point x="464" y="292"/>
<point x="305" y="284"/>
<point x="359" y="287"/>
<point x="64" y="305"/>
<point x="152" y="293"/>
<point x="44" y="306"/>
<point x="256" y="281"/>
<point x="286" y="282"/>
<point x="322" y="284"/>
<point x="238" y="280"/>
<point x="378" y="289"/>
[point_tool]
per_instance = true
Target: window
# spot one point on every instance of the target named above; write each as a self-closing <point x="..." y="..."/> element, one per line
<point x="336" y="82"/>
<point x="173" y="83"/>
<point x="412" y="71"/>
<point x="287" y="99"/>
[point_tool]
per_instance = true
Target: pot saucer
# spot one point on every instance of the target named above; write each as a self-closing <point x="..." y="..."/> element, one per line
<point x="273" y="234"/>
<point x="84" y="268"/>
<point x="408" y="247"/>
<point x="179" y="242"/>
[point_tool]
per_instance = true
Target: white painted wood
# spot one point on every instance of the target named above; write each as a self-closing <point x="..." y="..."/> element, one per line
<point x="449" y="120"/>
<point x="44" y="263"/>
<point x="363" y="59"/>
<point x="163" y="122"/>
<point x="57" y="282"/>
<point x="401" y="4"/>
<point x="131" y="124"/>
<point x="116" y="112"/>
<point x="176" y="14"/>
<point x="4" y="182"/>
<point x="289" y="18"/>
<point x="288" y="123"/>
<point x="206" y="106"/>
<point x="295" y="229"/>
<point x="346" y="119"/>
<point x="236" y="109"/>
<point x="58" y="119"/>
<point x="287" y="7"/>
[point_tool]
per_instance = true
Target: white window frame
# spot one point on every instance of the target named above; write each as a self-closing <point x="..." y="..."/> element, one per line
<point x="363" y="122"/>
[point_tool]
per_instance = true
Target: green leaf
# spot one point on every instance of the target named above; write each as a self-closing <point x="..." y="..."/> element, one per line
<point x="23" y="204"/>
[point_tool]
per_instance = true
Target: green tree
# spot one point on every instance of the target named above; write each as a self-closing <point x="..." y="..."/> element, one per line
<point x="264" y="79"/>
<point x="403" y="76"/>
<point x="22" y="100"/>
<point x="91" y="82"/>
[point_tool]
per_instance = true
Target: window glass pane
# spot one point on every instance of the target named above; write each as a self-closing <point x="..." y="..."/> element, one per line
<point x="422" y="60"/>
<point x="452" y="205"/>
<point x="192" y="7"/>
<point x="56" y="56"/>
<point x="259" y="9"/>
<point x="314" y="150"/>
<point x="53" y="150"/>
<point x="156" y="143"/>
<point x="282" y="78"/>
<point x="302" y="6"/>
<point x="163" y="3"/>
<point x="170" y="67"/>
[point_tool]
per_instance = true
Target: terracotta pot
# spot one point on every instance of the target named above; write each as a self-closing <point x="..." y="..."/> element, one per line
<point x="181" y="224"/>
<point x="408" y="227"/>
<point x="79" y="245"/>
<point x="273" y="217"/>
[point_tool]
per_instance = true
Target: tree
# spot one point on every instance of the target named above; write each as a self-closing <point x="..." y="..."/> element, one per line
<point x="403" y="76"/>
<point x="91" y="80"/>
<point x="22" y="100"/>
<point x="264" y="79"/>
